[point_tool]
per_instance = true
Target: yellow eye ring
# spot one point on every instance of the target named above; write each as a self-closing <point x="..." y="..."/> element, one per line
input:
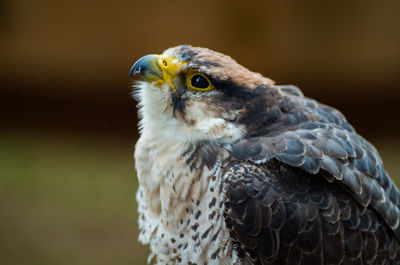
<point x="198" y="82"/>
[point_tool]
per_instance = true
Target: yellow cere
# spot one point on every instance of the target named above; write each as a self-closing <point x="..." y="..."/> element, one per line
<point x="170" y="66"/>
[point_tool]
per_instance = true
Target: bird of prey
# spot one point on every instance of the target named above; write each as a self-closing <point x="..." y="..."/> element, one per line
<point x="234" y="169"/>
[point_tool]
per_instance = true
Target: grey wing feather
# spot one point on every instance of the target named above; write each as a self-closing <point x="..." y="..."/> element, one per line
<point x="291" y="89"/>
<point x="327" y="144"/>
<point x="278" y="214"/>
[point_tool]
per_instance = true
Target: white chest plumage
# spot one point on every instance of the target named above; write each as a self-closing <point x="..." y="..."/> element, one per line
<point x="180" y="209"/>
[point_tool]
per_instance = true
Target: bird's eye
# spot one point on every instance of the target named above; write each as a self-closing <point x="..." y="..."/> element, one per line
<point x="199" y="82"/>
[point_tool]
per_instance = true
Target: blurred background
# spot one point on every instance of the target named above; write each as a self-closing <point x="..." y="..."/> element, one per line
<point x="68" y="122"/>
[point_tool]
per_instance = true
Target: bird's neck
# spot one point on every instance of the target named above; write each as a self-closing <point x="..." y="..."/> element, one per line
<point x="174" y="175"/>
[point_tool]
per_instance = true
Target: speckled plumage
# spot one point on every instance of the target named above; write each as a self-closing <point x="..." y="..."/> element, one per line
<point x="254" y="173"/>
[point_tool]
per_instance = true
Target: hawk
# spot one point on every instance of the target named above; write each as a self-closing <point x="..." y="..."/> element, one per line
<point x="234" y="169"/>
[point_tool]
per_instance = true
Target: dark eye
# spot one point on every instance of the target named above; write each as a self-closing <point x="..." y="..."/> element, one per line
<point x="199" y="81"/>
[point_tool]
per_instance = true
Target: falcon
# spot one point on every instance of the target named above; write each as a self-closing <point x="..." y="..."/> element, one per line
<point x="234" y="169"/>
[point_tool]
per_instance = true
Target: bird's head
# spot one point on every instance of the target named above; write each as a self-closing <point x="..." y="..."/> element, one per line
<point x="196" y="94"/>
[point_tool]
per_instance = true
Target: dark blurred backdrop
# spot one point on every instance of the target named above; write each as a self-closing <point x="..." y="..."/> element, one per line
<point x="68" y="123"/>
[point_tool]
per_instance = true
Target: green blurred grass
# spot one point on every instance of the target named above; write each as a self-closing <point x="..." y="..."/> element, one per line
<point x="67" y="200"/>
<point x="70" y="199"/>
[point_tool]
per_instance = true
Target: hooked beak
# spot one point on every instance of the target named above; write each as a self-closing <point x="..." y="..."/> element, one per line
<point x="158" y="68"/>
<point x="148" y="68"/>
